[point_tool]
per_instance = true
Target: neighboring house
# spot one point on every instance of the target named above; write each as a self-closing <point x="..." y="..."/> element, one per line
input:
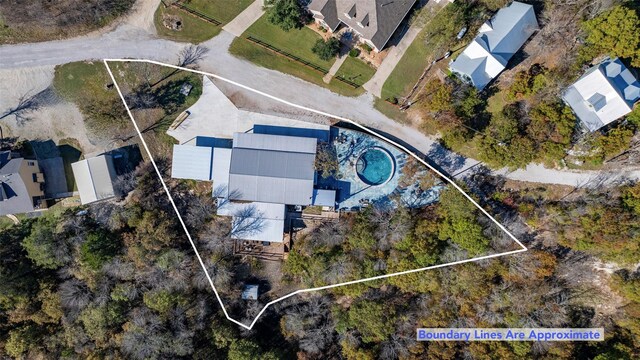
<point x="255" y="180"/>
<point x="603" y="94"/>
<point x="21" y="185"/>
<point x="374" y="20"/>
<point x="94" y="178"/>
<point x="498" y="40"/>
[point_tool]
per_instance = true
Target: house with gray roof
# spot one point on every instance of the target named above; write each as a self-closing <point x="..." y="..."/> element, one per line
<point x="94" y="178"/>
<point x="374" y="20"/>
<point x="497" y="41"/>
<point x="21" y="185"/>
<point x="255" y="179"/>
<point x="605" y="93"/>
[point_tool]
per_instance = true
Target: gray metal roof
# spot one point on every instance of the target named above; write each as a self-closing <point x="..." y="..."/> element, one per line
<point x="272" y="168"/>
<point x="498" y="40"/>
<point x="192" y="162"/>
<point x="94" y="178"/>
<point x="275" y="142"/>
<point x="323" y="197"/>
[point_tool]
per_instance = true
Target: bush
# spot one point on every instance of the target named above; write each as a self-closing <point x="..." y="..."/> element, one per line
<point x="354" y="52"/>
<point x="366" y="47"/>
<point x="326" y="49"/>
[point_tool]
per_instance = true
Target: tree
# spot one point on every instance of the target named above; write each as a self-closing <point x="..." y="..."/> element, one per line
<point x="617" y="33"/>
<point x="326" y="49"/>
<point x="245" y="349"/>
<point x="285" y="13"/>
<point x="326" y="160"/>
<point x="41" y="244"/>
<point x="98" y="248"/>
<point x="459" y="222"/>
<point x="372" y="319"/>
<point x="631" y="198"/>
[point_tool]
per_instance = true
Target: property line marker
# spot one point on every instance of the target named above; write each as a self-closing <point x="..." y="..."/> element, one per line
<point x="365" y="129"/>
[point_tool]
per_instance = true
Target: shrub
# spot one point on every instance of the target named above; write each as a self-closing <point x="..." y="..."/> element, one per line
<point x="354" y="52"/>
<point x="326" y="49"/>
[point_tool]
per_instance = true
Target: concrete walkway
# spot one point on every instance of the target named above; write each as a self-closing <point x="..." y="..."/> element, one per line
<point x="374" y="85"/>
<point x="241" y="23"/>
<point x="335" y="67"/>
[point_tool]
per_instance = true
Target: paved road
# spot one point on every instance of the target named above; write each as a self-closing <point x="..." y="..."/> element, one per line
<point x="131" y="41"/>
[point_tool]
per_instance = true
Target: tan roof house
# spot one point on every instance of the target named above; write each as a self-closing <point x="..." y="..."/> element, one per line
<point x="21" y="185"/>
<point x="373" y="20"/>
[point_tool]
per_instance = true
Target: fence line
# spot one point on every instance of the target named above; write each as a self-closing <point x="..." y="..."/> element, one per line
<point x="322" y="70"/>
<point x="196" y="13"/>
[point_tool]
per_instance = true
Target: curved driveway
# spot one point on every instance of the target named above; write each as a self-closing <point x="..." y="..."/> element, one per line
<point x="131" y="40"/>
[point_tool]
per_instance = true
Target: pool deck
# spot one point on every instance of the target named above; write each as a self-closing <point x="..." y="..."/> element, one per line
<point x="353" y="193"/>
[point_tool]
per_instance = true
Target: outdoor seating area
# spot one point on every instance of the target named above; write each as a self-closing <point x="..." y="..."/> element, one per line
<point x="369" y="173"/>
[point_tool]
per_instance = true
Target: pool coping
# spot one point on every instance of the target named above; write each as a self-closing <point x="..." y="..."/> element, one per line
<point x="389" y="156"/>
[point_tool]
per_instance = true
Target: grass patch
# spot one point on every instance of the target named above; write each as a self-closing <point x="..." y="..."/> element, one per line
<point x="433" y="41"/>
<point x="88" y="85"/>
<point x="69" y="154"/>
<point x="356" y="71"/>
<point x="194" y="29"/>
<point x="221" y="10"/>
<point x="297" y="42"/>
<point x="390" y="111"/>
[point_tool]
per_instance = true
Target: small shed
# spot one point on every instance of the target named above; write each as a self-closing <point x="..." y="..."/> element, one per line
<point x="250" y="292"/>
<point x="185" y="89"/>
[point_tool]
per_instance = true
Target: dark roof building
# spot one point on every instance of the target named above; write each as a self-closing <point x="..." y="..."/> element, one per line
<point x="374" y="20"/>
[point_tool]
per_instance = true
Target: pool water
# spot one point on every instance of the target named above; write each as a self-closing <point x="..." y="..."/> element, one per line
<point x="374" y="167"/>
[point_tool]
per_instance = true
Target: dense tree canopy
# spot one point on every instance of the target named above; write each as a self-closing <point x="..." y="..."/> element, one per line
<point x="616" y="33"/>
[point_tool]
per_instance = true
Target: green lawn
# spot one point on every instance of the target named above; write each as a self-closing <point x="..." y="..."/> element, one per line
<point x="297" y="42"/>
<point x="81" y="80"/>
<point x="221" y="10"/>
<point x="194" y="29"/>
<point x="355" y="70"/>
<point x="434" y="40"/>
<point x="70" y="154"/>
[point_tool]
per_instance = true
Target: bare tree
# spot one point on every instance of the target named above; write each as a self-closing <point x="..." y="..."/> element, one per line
<point x="191" y="55"/>
<point x="74" y="294"/>
<point x="247" y="221"/>
<point x="27" y="104"/>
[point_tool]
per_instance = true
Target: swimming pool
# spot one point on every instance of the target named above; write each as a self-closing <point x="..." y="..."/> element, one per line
<point x="374" y="166"/>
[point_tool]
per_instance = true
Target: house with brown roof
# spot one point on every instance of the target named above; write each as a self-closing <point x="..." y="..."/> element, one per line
<point x="373" y="20"/>
<point x="21" y="185"/>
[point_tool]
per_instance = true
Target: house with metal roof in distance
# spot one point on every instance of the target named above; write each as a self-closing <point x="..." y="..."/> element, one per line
<point x="94" y="178"/>
<point x="21" y="185"/>
<point x="605" y="93"/>
<point x="374" y="20"/>
<point x="498" y="40"/>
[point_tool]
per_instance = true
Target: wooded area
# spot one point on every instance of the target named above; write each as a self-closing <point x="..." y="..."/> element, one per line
<point x="43" y="20"/>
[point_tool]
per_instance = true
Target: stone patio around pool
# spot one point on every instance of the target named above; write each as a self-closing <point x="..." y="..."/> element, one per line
<point x="353" y="193"/>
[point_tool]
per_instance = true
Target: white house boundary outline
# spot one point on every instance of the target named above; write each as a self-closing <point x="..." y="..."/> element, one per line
<point x="363" y="128"/>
